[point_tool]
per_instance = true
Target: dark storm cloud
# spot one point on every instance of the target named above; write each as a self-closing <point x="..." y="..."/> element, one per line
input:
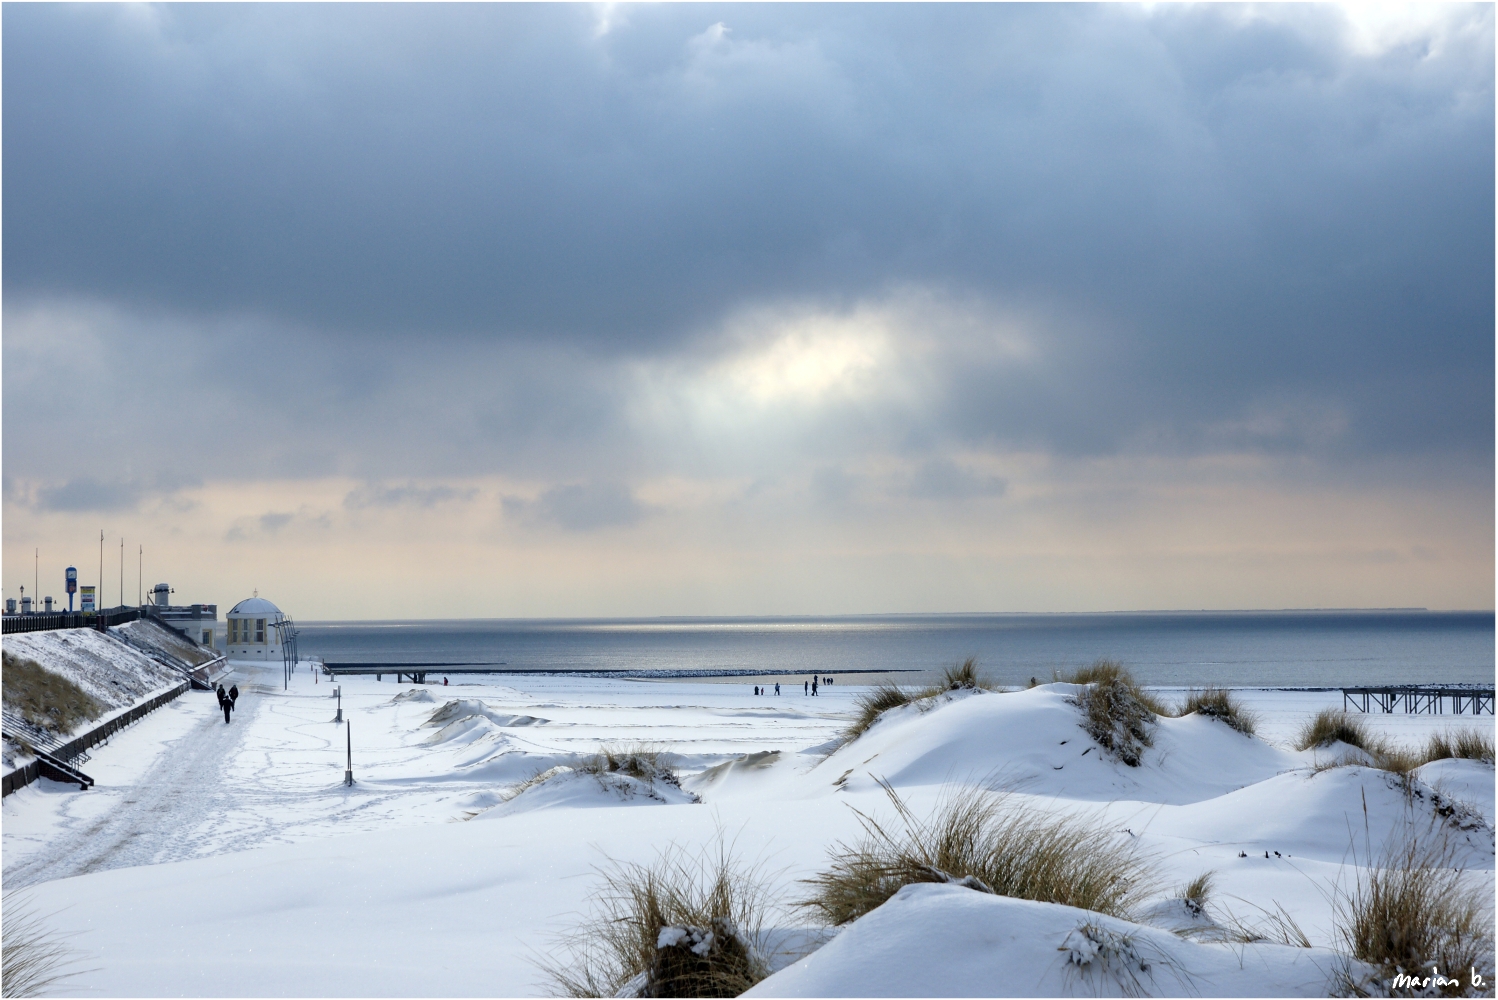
<point x="1243" y="233"/>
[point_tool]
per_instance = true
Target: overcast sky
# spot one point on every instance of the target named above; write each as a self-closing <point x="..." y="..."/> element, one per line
<point x="593" y="310"/>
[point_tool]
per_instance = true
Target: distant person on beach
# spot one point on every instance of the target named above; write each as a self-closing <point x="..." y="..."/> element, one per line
<point x="805" y="688"/>
<point x="444" y="682"/>
<point x="813" y="687"/>
<point x="777" y="689"/>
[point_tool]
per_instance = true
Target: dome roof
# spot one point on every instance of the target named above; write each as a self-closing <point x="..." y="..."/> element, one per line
<point x="254" y="606"/>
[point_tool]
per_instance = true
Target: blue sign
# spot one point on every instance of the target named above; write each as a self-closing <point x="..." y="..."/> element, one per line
<point x="72" y="579"/>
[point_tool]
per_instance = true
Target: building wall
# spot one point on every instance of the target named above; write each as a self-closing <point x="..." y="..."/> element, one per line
<point x="250" y="637"/>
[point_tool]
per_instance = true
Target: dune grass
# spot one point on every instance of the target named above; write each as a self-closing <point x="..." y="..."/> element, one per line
<point x="979" y="840"/>
<point x="1462" y="744"/>
<point x="962" y="676"/>
<point x="1219" y="703"/>
<point x="1118" y="713"/>
<point x="1197" y="893"/>
<point x="44" y="699"/>
<point x="1331" y="725"/>
<point x="682" y="926"/>
<point x="870" y="705"/>
<point x="34" y="961"/>
<point x="645" y="761"/>
<point x="1413" y="910"/>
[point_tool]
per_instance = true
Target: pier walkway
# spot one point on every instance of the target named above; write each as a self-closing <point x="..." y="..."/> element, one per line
<point x="1418" y="699"/>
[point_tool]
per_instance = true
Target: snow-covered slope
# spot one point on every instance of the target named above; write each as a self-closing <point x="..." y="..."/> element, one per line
<point x="115" y="673"/>
<point x="154" y="638"/>
<point x="947" y="941"/>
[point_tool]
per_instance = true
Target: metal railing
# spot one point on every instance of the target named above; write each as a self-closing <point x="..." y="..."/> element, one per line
<point x="47" y="622"/>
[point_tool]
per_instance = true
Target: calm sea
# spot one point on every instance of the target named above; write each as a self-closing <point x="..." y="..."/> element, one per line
<point x="1270" y="649"/>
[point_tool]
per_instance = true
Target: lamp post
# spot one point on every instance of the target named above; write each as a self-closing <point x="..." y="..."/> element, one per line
<point x="348" y="774"/>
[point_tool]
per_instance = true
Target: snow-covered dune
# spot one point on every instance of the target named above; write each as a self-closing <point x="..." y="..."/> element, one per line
<point x="388" y="872"/>
<point x="1032" y="741"/>
<point x="1329" y="816"/>
<point x="947" y="941"/>
<point x="565" y="788"/>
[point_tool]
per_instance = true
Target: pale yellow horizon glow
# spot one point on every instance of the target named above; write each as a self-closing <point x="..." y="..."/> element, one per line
<point x="1106" y="535"/>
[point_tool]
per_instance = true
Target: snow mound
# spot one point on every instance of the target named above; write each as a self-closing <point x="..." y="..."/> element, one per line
<point x="1033" y="741"/>
<point x="941" y="940"/>
<point x="462" y="708"/>
<point x="731" y="771"/>
<point x="464" y="730"/>
<point x="1467" y="781"/>
<point x="565" y="788"/>
<point x="415" y="694"/>
<point x="1320" y="815"/>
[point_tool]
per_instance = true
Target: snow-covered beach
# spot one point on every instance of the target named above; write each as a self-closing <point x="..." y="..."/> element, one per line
<point x="231" y="860"/>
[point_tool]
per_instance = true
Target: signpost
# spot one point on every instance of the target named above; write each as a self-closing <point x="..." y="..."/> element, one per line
<point x="71" y="585"/>
<point x="86" y="598"/>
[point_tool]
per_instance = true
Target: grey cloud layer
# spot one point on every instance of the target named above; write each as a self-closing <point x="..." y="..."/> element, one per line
<point x="1232" y="230"/>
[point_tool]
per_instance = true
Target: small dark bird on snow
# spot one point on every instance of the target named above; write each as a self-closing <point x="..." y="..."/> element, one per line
<point x="1277" y="854"/>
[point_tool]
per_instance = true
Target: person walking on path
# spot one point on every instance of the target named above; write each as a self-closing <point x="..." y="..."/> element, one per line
<point x="228" y="706"/>
<point x="234" y="696"/>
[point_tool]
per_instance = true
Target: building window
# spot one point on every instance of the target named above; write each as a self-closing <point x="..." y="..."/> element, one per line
<point x="233" y="631"/>
<point x="259" y="629"/>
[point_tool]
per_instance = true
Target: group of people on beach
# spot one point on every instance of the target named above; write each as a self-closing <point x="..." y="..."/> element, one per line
<point x="808" y="688"/>
<point x="226" y="699"/>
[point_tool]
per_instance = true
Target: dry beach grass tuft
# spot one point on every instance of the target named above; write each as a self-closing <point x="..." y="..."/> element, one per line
<point x="682" y="926"/>
<point x="977" y="839"/>
<point x="1411" y="911"/>
<point x="1118" y="713"/>
<point x="35" y="961"/>
<point x="1219" y="703"/>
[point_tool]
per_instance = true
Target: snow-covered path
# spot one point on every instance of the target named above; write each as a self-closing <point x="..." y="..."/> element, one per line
<point x="185" y="790"/>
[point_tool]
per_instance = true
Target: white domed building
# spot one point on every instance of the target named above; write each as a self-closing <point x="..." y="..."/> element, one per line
<point x="252" y="631"/>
